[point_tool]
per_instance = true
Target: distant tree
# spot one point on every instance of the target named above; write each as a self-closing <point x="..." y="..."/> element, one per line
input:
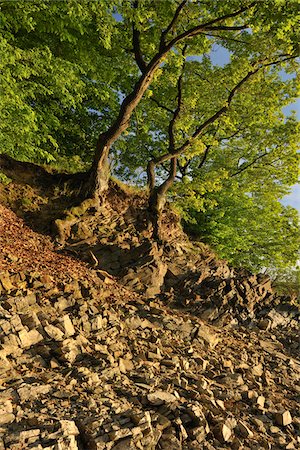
<point x="255" y="231"/>
<point x="287" y="281"/>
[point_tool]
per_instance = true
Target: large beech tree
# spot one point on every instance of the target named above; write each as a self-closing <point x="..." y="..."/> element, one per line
<point x="135" y="81"/>
<point x="264" y="36"/>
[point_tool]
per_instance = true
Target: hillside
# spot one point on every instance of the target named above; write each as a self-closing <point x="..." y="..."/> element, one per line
<point x="109" y="341"/>
<point x="146" y="151"/>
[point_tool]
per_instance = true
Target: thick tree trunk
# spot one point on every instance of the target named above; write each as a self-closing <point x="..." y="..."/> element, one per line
<point x="154" y="207"/>
<point x="99" y="172"/>
<point x="156" y="203"/>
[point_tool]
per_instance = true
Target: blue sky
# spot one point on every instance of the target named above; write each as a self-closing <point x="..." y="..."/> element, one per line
<point x="294" y="198"/>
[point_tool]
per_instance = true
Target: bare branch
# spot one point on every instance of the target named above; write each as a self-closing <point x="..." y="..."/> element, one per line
<point x="161" y="105"/>
<point x="137" y="45"/>
<point x="171" y="24"/>
<point x="209" y="26"/>
<point x="245" y="167"/>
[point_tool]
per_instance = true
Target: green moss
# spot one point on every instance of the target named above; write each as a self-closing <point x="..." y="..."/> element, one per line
<point x="26" y="202"/>
<point x="4" y="179"/>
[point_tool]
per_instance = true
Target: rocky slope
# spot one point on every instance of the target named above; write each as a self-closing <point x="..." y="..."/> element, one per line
<point x="149" y="349"/>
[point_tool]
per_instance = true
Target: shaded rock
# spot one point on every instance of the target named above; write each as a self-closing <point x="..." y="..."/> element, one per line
<point x="140" y="373"/>
<point x="245" y="430"/>
<point x="283" y="418"/>
<point x="222" y="432"/>
<point x="170" y="442"/>
<point x="54" y="332"/>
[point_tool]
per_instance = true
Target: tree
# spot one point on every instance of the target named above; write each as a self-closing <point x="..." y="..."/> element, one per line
<point x="186" y="128"/>
<point x="160" y="99"/>
<point x="264" y="45"/>
<point x="287" y="281"/>
<point x="255" y="232"/>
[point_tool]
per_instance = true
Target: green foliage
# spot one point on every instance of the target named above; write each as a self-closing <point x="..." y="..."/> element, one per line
<point x="67" y="66"/>
<point x="251" y="230"/>
<point x="57" y="75"/>
<point x="4" y="179"/>
<point x="243" y="218"/>
<point x="231" y="178"/>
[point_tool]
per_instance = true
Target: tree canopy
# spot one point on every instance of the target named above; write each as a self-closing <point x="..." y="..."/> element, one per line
<point x="135" y="82"/>
<point x="58" y="87"/>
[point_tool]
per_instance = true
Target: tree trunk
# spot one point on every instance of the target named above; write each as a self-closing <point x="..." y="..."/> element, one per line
<point x="158" y="196"/>
<point x="155" y="206"/>
<point x="99" y="172"/>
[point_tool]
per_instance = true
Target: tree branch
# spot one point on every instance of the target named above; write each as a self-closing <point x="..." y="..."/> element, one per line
<point x="178" y="107"/>
<point x="151" y="175"/>
<point x="161" y="105"/>
<point x="242" y="169"/>
<point x="165" y="186"/>
<point x="106" y="139"/>
<point x="219" y="113"/>
<point x="183" y="168"/>
<point x="209" y="26"/>
<point x="208" y="122"/>
<point x="278" y="61"/>
<point x="171" y="149"/>
<point x="171" y="24"/>
<point x="137" y="45"/>
<point x="204" y="157"/>
<point x="225" y="38"/>
<point x="226" y="138"/>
